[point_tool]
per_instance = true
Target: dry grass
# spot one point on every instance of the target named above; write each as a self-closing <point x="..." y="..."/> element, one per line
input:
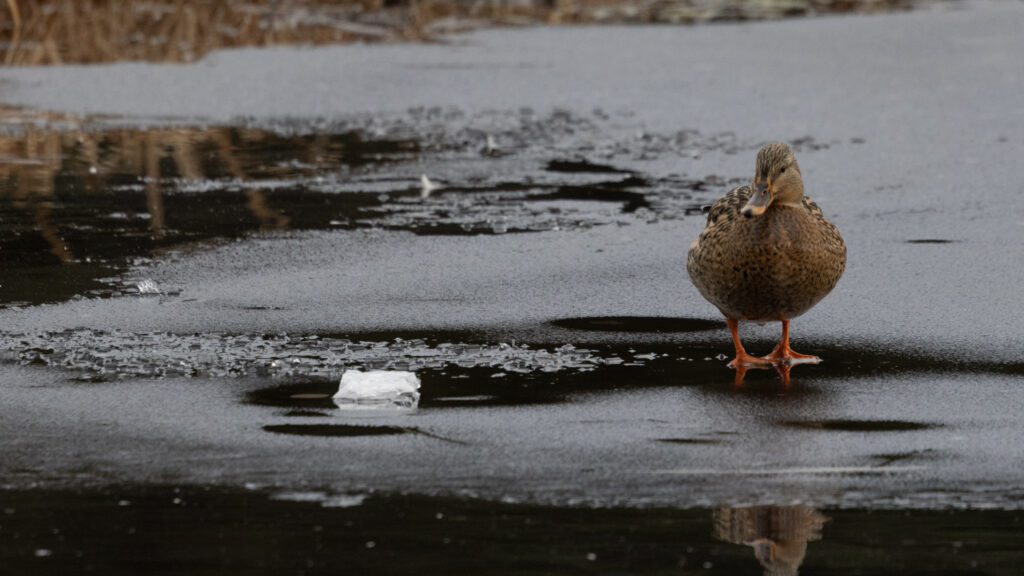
<point x="57" y="31"/>
<point x="39" y="32"/>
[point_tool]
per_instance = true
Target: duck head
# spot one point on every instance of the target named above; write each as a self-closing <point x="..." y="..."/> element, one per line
<point x="777" y="180"/>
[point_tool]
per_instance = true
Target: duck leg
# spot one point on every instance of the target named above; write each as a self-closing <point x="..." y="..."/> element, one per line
<point x="742" y="359"/>
<point x="783" y="354"/>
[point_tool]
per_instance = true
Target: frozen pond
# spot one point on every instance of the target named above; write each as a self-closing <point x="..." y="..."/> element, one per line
<point x="194" y="254"/>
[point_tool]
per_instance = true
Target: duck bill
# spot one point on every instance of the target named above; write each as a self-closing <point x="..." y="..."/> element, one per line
<point x="759" y="200"/>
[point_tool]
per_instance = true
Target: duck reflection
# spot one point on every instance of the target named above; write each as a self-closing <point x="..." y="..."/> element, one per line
<point x="782" y="368"/>
<point x="778" y="534"/>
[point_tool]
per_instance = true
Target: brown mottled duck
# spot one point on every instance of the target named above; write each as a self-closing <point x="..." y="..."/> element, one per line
<point x="767" y="254"/>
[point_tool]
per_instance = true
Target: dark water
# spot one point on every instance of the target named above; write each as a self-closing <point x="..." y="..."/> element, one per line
<point x="189" y="530"/>
<point x="78" y="207"/>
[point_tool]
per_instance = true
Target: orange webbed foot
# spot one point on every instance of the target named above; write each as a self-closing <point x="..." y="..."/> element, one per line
<point x="783" y="354"/>
<point x="744" y="360"/>
<point x="788" y="357"/>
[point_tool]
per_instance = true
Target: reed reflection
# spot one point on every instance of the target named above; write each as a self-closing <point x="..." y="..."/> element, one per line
<point x="778" y="534"/>
<point x="79" y="200"/>
<point x="69" y="183"/>
<point x="43" y="171"/>
<point x="27" y="169"/>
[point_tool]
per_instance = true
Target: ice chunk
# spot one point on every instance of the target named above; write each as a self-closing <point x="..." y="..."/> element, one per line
<point x="378" y="388"/>
<point x="427" y="187"/>
<point x="147" y="287"/>
<point x="344" y="501"/>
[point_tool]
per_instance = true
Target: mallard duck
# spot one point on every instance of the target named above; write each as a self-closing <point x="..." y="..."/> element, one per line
<point x="767" y="254"/>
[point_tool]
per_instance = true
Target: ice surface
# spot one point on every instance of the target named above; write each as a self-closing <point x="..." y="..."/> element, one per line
<point x="378" y="388"/>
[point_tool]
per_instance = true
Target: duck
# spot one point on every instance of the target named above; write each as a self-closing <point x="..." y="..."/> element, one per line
<point x="767" y="254"/>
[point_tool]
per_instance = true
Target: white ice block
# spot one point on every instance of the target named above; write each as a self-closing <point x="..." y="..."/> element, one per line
<point x="383" y="388"/>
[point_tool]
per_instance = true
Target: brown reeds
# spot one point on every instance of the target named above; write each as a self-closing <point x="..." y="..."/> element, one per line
<point x="39" y="32"/>
<point x="81" y="31"/>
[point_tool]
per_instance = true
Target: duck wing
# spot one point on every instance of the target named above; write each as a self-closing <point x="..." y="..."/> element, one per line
<point x="728" y="207"/>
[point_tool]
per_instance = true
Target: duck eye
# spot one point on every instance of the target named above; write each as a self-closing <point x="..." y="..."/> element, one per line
<point x="783" y="171"/>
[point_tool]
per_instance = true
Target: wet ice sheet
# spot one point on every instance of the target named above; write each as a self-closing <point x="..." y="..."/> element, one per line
<point x="905" y="441"/>
<point x="510" y="288"/>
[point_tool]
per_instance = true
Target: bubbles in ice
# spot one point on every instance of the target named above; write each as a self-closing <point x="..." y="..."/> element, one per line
<point x="122" y="354"/>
